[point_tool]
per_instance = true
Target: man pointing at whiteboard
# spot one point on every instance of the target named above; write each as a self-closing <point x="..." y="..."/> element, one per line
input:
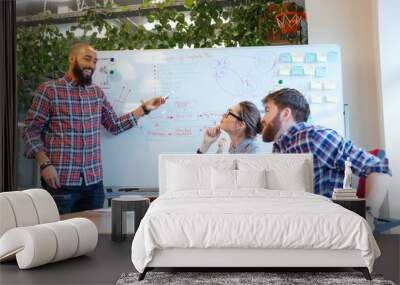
<point x="63" y="132"/>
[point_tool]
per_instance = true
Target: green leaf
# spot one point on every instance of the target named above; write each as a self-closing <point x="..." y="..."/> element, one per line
<point x="146" y="3"/>
<point x="188" y="4"/>
<point x="124" y="8"/>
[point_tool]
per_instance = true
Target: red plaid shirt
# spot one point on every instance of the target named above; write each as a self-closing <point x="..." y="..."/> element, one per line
<point x="64" y="122"/>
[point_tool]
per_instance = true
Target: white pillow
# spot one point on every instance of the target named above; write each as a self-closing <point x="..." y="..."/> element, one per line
<point x="223" y="179"/>
<point x="291" y="179"/>
<point x="181" y="177"/>
<point x="251" y="178"/>
<point x="283" y="171"/>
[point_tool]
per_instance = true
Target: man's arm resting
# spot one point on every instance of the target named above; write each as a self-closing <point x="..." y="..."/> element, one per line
<point x="49" y="173"/>
<point x="41" y="157"/>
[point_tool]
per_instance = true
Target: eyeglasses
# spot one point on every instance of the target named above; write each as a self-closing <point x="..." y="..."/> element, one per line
<point x="233" y="115"/>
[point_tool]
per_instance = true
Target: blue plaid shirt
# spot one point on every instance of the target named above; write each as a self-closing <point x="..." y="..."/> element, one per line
<point x="330" y="151"/>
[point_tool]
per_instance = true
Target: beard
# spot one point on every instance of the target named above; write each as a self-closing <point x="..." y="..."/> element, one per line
<point x="83" y="76"/>
<point x="271" y="129"/>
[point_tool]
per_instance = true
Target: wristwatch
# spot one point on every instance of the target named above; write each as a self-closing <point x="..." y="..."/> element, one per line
<point x="45" y="164"/>
<point x="145" y="110"/>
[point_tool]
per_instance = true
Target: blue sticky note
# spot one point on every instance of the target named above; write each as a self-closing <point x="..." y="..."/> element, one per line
<point x="285" y="58"/>
<point x="297" y="70"/>
<point x="320" y="71"/>
<point x="310" y="57"/>
<point x="332" y="56"/>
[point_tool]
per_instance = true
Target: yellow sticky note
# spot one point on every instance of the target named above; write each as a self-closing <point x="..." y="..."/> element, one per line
<point x="309" y="70"/>
<point x="331" y="98"/>
<point x="329" y="85"/>
<point x="297" y="57"/>
<point x="316" y="84"/>
<point x="322" y="56"/>
<point x="316" y="98"/>
<point x="284" y="70"/>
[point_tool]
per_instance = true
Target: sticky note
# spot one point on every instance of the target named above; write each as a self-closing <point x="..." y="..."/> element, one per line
<point x="309" y="70"/>
<point x="320" y="71"/>
<point x="285" y="58"/>
<point x="329" y="85"/>
<point x="316" y="99"/>
<point x="332" y="56"/>
<point x="331" y="98"/>
<point x="322" y="56"/>
<point x="310" y="57"/>
<point x="297" y="70"/>
<point x="284" y="70"/>
<point x="316" y="84"/>
<point x="297" y="57"/>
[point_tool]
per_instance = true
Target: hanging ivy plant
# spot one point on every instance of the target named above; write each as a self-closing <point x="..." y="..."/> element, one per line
<point x="42" y="50"/>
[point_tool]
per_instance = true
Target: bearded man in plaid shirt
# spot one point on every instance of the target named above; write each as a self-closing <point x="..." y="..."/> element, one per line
<point x="286" y="114"/>
<point x="63" y="132"/>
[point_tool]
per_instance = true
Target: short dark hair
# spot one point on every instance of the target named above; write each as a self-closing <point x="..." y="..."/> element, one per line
<point x="293" y="99"/>
<point x="251" y="117"/>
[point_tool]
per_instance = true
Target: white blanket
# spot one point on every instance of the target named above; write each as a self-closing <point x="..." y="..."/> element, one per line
<point x="250" y="219"/>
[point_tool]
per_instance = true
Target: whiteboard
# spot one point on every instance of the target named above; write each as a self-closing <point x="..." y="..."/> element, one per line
<point x="202" y="84"/>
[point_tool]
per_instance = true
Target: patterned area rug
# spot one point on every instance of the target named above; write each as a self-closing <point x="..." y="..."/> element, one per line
<point x="230" y="278"/>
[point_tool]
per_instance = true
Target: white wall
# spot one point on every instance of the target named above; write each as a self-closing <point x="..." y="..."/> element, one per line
<point x="389" y="55"/>
<point x="349" y="23"/>
<point x="369" y="33"/>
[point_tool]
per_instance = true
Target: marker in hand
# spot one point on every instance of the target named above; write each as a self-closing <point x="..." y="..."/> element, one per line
<point x="152" y="104"/>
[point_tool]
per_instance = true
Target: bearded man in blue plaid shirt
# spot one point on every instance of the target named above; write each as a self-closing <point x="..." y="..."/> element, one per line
<point x="286" y="114"/>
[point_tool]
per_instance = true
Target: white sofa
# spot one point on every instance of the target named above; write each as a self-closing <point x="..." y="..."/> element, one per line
<point x="31" y="230"/>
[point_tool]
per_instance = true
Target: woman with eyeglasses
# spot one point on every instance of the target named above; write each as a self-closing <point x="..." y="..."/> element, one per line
<point x="242" y="122"/>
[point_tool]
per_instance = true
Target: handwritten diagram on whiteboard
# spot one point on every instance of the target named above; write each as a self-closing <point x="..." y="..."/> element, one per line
<point x="201" y="84"/>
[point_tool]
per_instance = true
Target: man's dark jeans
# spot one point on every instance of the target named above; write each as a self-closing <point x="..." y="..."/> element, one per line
<point x="77" y="198"/>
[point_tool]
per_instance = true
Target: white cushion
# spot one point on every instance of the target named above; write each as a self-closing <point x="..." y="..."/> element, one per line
<point x="45" y="206"/>
<point x="87" y="235"/>
<point x="23" y="208"/>
<point x="226" y="179"/>
<point x="292" y="179"/>
<point x="33" y="246"/>
<point x="251" y="178"/>
<point x="223" y="179"/>
<point x="7" y="218"/>
<point x="67" y="240"/>
<point x="193" y="175"/>
<point x="283" y="172"/>
<point x="172" y="168"/>
<point x="183" y="177"/>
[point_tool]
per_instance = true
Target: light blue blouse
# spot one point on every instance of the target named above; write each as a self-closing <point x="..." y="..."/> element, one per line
<point x="246" y="146"/>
